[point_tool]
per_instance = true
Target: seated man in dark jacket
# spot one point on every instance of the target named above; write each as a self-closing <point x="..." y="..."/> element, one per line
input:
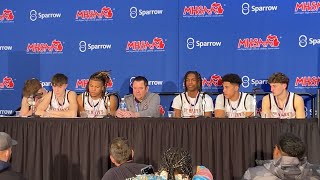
<point x="289" y="162"/>
<point x="121" y="155"/>
<point x="6" y="144"/>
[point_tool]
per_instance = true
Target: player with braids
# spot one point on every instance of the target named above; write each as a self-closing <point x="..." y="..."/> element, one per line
<point x="96" y="101"/>
<point x="176" y="162"/>
<point x="193" y="102"/>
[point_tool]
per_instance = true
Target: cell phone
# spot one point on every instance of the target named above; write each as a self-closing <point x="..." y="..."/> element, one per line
<point x="147" y="170"/>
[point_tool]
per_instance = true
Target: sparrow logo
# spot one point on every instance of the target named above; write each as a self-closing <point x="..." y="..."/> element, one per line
<point x="307" y="82"/>
<point x="245" y="8"/>
<point x="82" y="83"/>
<point x="303" y="41"/>
<point x="6" y="48"/>
<point x="83" y="46"/>
<point x="6" y="112"/>
<point x="215" y="81"/>
<point x="7" y="15"/>
<point x="133" y="12"/>
<point x="307" y="7"/>
<point x="191" y="43"/>
<point x="7" y="83"/>
<point x="255" y="82"/>
<point x="214" y="10"/>
<point x="106" y="13"/>
<point x="45" y="84"/>
<point x="34" y="15"/>
<point x="271" y="42"/>
<point x="44" y="48"/>
<point x="256" y="9"/>
<point x="245" y="81"/>
<point x="150" y="83"/>
<point x="157" y="44"/>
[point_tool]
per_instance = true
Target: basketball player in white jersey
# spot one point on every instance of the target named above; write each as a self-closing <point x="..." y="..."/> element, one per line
<point x="193" y="102"/>
<point x="281" y="103"/>
<point x="32" y="90"/>
<point x="95" y="101"/>
<point x="233" y="103"/>
<point x="60" y="102"/>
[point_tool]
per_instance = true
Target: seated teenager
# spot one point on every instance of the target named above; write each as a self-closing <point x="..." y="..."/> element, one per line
<point x="96" y="101"/>
<point x="281" y="103"/>
<point x="60" y="102"/>
<point x="233" y="103"/>
<point x="32" y="93"/>
<point x="192" y="103"/>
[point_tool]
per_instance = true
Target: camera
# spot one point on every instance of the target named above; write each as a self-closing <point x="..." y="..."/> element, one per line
<point x="147" y="170"/>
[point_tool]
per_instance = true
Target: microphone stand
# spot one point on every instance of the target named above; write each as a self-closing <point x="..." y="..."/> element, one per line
<point x="32" y="102"/>
<point x="255" y="102"/>
<point x="318" y="107"/>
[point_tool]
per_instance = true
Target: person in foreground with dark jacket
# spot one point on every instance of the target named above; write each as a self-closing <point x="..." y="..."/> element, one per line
<point x="6" y="144"/>
<point x="121" y="155"/>
<point x="289" y="162"/>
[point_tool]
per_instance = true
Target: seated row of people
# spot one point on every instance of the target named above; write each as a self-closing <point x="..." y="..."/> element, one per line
<point x="176" y="163"/>
<point x="289" y="162"/>
<point x="97" y="102"/>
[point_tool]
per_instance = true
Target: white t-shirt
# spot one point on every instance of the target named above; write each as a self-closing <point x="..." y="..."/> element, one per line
<point x="235" y="109"/>
<point x="288" y="112"/>
<point x="193" y="107"/>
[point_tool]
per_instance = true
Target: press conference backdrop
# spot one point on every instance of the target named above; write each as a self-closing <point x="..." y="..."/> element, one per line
<point x="160" y="40"/>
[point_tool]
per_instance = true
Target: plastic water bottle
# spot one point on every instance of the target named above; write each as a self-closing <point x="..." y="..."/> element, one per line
<point x="123" y="105"/>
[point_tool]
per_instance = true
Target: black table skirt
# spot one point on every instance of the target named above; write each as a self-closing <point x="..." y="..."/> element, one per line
<point x="65" y="149"/>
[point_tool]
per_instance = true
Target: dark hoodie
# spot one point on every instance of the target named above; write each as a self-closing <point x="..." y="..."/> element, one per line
<point x="7" y="174"/>
<point x="285" y="167"/>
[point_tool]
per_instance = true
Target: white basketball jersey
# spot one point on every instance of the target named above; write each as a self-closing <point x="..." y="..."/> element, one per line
<point x="95" y="107"/>
<point x="56" y="106"/>
<point x="237" y="109"/>
<point x="286" y="112"/>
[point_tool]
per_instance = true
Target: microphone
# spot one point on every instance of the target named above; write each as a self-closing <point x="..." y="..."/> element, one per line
<point x="255" y="101"/>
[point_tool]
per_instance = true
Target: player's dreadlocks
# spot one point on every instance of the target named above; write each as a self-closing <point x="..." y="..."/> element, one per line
<point x="176" y="160"/>
<point x="103" y="76"/>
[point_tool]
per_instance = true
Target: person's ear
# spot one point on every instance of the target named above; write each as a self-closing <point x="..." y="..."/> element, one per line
<point x="112" y="159"/>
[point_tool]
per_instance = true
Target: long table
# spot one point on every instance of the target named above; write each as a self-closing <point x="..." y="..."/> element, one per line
<point x="65" y="149"/>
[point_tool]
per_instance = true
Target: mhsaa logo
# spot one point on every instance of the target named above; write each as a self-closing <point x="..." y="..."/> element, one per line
<point x="156" y="45"/>
<point x="55" y="47"/>
<point x="307" y="82"/>
<point x="215" y="10"/>
<point x="307" y="7"/>
<point x="105" y="13"/>
<point x="82" y="83"/>
<point x="214" y="82"/>
<point x="271" y="42"/>
<point x="6" y="16"/>
<point x="7" y="83"/>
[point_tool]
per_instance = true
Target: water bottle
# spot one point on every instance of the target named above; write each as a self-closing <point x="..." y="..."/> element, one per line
<point x="123" y="105"/>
